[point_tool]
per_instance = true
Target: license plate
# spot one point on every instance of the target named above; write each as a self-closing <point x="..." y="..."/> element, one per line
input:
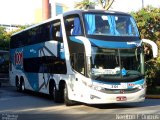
<point x="121" y="86"/>
<point x="121" y="98"/>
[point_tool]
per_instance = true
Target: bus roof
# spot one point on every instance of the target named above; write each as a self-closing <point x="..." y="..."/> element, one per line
<point x="79" y="12"/>
<point x="94" y="11"/>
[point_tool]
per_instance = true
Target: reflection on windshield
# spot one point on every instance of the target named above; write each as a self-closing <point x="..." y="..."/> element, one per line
<point x="110" y="25"/>
<point x="120" y="63"/>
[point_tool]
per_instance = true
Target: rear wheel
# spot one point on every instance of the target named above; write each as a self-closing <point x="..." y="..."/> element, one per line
<point x="55" y="94"/>
<point x="18" y="85"/>
<point x="22" y="86"/>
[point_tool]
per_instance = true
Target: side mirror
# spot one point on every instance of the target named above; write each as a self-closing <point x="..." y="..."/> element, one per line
<point x="153" y="45"/>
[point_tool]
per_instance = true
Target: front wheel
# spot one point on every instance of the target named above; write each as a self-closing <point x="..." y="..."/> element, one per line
<point x="67" y="101"/>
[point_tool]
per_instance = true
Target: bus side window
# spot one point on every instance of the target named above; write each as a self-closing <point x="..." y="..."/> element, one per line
<point x="77" y="62"/>
<point x="77" y="27"/>
<point x="68" y="27"/>
<point x="59" y="37"/>
<point x="52" y="32"/>
<point x="73" y="25"/>
<point x="56" y="31"/>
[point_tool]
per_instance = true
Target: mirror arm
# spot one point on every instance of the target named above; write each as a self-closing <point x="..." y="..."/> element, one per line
<point x="153" y="45"/>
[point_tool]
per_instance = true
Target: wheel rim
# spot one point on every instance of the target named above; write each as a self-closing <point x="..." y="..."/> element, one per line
<point x="54" y="92"/>
<point x="18" y="85"/>
<point x="65" y="93"/>
<point x="23" y="87"/>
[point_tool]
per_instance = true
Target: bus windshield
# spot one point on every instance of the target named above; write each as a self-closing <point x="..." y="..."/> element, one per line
<point x="110" y="25"/>
<point x="115" y="64"/>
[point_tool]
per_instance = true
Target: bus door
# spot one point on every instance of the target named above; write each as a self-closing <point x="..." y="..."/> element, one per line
<point x="75" y="49"/>
<point x="78" y="64"/>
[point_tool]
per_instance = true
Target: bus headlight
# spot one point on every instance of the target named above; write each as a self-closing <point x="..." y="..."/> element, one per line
<point x="98" y="88"/>
<point x="94" y="87"/>
<point x="141" y="86"/>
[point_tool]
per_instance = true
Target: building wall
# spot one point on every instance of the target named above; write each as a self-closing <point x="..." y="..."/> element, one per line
<point x="10" y="27"/>
<point x="56" y="6"/>
<point x="38" y="15"/>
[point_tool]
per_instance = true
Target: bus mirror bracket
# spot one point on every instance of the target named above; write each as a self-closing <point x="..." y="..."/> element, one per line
<point x="153" y="45"/>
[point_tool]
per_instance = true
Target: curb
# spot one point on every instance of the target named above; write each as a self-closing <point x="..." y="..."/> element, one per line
<point x="152" y="96"/>
<point x="4" y="84"/>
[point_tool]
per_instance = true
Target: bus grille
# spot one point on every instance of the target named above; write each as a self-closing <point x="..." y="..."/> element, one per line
<point x="120" y="91"/>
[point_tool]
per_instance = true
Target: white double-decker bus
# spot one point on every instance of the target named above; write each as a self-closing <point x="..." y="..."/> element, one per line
<point x="88" y="56"/>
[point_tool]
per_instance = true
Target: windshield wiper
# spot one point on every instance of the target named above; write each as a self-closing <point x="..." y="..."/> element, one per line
<point x="98" y="77"/>
<point x="132" y="72"/>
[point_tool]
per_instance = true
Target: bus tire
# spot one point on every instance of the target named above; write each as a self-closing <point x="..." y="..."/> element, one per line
<point x="18" y="85"/>
<point x="55" y="94"/>
<point x="67" y="101"/>
<point x="22" y="86"/>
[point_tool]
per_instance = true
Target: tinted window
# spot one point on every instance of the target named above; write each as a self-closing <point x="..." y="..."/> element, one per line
<point x="41" y="33"/>
<point x="47" y="64"/>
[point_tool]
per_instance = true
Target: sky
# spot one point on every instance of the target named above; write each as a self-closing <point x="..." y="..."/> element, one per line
<point x="133" y="5"/>
<point x="22" y="11"/>
<point x="17" y="11"/>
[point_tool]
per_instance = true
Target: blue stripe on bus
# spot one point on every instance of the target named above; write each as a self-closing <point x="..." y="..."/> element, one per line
<point x="33" y="80"/>
<point x="138" y="82"/>
<point x="113" y="44"/>
<point x="108" y="44"/>
<point x="32" y="50"/>
<point x="74" y="39"/>
<point x="28" y="51"/>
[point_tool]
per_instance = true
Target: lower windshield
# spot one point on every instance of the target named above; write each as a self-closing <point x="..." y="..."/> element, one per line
<point x="115" y="64"/>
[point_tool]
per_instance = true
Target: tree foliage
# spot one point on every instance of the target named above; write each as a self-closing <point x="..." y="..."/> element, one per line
<point x="86" y="4"/>
<point x="5" y="37"/>
<point x="148" y="22"/>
